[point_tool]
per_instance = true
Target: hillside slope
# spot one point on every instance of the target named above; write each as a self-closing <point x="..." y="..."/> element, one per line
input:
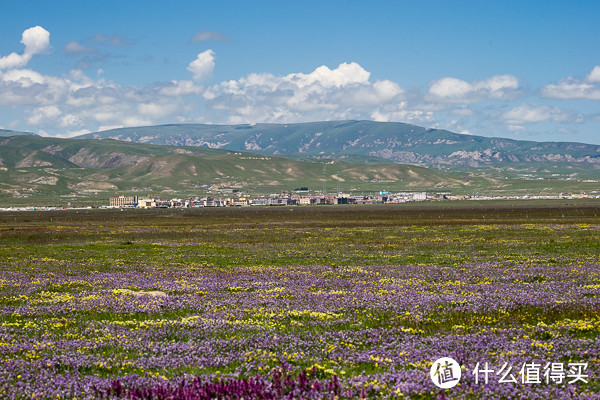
<point x="33" y="166"/>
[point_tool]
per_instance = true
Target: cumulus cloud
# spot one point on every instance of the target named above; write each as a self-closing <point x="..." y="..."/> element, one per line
<point x="526" y="114"/>
<point x="203" y="66"/>
<point x="343" y="92"/>
<point x="75" y="101"/>
<point x="571" y="88"/>
<point x="44" y="113"/>
<point x="156" y="109"/>
<point x="36" y="41"/>
<point x="453" y="90"/>
<point x="344" y="74"/>
<point x="180" y="88"/>
<point x="400" y="112"/>
<point x="450" y="88"/>
<point x="24" y="77"/>
<point x="28" y="87"/>
<point x="206" y="36"/>
<point x="594" y="75"/>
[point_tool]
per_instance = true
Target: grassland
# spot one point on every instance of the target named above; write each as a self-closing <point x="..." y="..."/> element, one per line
<point x="305" y="302"/>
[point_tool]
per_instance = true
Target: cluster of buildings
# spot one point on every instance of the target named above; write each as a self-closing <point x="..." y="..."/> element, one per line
<point x="294" y="199"/>
<point x="283" y="199"/>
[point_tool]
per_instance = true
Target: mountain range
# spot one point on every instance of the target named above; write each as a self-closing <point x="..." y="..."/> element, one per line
<point x="363" y="141"/>
<point x="263" y="158"/>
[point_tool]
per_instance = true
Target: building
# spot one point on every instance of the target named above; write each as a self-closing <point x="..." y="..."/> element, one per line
<point x="419" y="196"/>
<point x="146" y="203"/>
<point x="307" y="201"/>
<point x="123" y="201"/>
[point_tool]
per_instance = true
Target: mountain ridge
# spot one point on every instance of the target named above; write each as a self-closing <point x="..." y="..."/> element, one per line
<point x="8" y="132"/>
<point x="391" y="141"/>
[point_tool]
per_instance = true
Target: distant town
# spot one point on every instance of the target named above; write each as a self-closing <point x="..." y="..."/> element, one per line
<point x="283" y="199"/>
<point x="294" y="199"/>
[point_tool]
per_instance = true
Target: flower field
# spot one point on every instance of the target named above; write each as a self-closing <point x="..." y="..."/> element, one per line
<point x="319" y="302"/>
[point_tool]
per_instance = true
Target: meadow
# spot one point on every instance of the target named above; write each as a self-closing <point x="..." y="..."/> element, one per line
<point x="302" y="302"/>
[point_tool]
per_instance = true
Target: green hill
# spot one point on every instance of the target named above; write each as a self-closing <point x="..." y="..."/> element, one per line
<point x="54" y="169"/>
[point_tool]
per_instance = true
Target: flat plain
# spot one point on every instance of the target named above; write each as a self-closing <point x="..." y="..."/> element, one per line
<point x="302" y="302"/>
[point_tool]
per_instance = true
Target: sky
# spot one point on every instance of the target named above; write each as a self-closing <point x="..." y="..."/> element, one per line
<point x="526" y="70"/>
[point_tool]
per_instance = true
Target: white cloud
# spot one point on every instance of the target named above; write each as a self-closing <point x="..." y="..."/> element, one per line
<point x="70" y="120"/>
<point x="453" y="90"/>
<point x="387" y="90"/>
<point x="343" y="75"/>
<point x="594" y="75"/>
<point x="28" y="87"/>
<point x="571" y="88"/>
<point x="203" y="66"/>
<point x="450" y="88"/>
<point x="324" y="94"/>
<point x="135" y="120"/>
<point x="401" y="113"/>
<point x="42" y="114"/>
<point x="181" y="88"/>
<point x="36" y="41"/>
<point x="156" y="110"/>
<point x="76" y="101"/>
<point x="23" y="77"/>
<point x="525" y="114"/>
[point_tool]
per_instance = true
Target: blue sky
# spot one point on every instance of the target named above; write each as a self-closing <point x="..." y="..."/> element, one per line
<point x="526" y="70"/>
